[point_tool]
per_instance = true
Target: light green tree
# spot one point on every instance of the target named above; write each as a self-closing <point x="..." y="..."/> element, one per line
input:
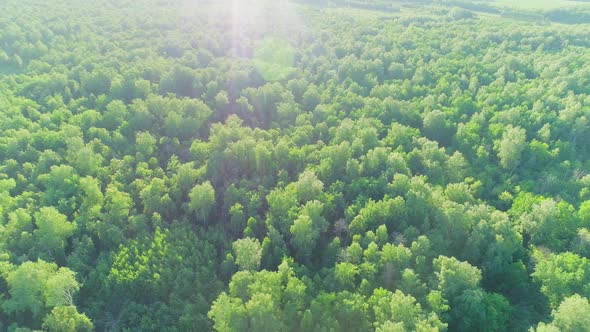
<point x="573" y="314"/>
<point x="67" y="319"/>
<point x="248" y="253"/>
<point x="510" y="147"/>
<point x="202" y="201"/>
<point x="36" y="287"/>
<point x="53" y="230"/>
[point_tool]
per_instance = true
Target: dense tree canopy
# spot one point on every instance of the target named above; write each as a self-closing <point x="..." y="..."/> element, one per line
<point x="332" y="165"/>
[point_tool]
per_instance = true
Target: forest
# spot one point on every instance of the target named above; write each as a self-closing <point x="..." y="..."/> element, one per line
<point x="258" y="165"/>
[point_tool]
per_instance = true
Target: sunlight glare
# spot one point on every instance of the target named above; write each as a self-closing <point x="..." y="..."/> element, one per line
<point x="272" y="56"/>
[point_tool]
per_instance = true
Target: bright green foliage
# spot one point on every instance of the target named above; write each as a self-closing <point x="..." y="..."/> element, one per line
<point x="155" y="198"/>
<point x="562" y="275"/>
<point x="35" y="288"/>
<point x="146" y="144"/>
<point x="114" y="217"/>
<point x="551" y="224"/>
<point x="273" y="59"/>
<point x="573" y="314"/>
<point x="52" y="232"/>
<point x="306" y="230"/>
<point x="248" y="253"/>
<point x="342" y="311"/>
<point x="308" y="186"/>
<point x="17" y="234"/>
<point x="510" y="147"/>
<point x="304" y="236"/>
<point x="61" y="185"/>
<point x="260" y="301"/>
<point x="455" y="277"/>
<point x="67" y="319"/>
<point x="202" y="201"/>
<point x="346" y="274"/>
<point x="145" y="274"/>
<point x="389" y="212"/>
<point x="398" y="308"/>
<point x="282" y="205"/>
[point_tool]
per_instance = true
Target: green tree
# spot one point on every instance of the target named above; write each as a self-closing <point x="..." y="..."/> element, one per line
<point x="67" y="319"/>
<point x="551" y="224"/>
<point x="248" y="253"/>
<point x="562" y="275"/>
<point x="155" y="198"/>
<point x="169" y="278"/>
<point x="477" y="310"/>
<point x="202" y="201"/>
<point x="308" y="186"/>
<point x="37" y="287"/>
<point x="307" y="229"/>
<point x="260" y="301"/>
<point x="52" y="232"/>
<point x="304" y="237"/>
<point x="342" y="311"/>
<point x="145" y="144"/>
<point x="455" y="277"/>
<point x="571" y="315"/>
<point x="437" y="127"/>
<point x="311" y="98"/>
<point x="510" y="147"/>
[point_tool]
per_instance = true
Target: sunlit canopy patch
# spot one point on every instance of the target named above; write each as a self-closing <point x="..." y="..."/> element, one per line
<point x="274" y="59"/>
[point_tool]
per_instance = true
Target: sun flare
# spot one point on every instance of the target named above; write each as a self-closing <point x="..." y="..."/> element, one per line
<point x="251" y="21"/>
